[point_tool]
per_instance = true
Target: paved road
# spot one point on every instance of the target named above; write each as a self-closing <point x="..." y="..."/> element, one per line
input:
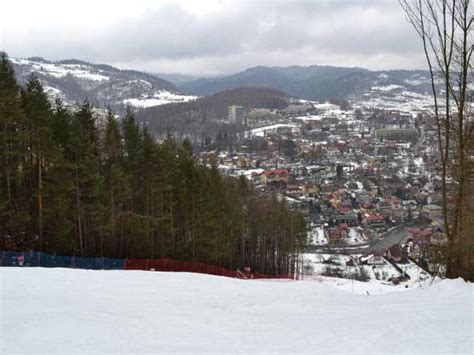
<point x="395" y="236"/>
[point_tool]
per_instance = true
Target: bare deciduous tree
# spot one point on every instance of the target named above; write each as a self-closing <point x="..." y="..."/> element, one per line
<point x="446" y="30"/>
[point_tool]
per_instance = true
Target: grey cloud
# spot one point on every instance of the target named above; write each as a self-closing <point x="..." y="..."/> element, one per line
<point x="172" y="33"/>
<point x="248" y="30"/>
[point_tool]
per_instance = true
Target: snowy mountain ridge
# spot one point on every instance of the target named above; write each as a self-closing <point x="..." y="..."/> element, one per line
<point x="313" y="82"/>
<point x="73" y="81"/>
<point x="103" y="85"/>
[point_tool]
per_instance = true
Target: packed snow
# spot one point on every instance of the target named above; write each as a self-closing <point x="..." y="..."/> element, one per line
<point x="84" y="311"/>
<point x="387" y="87"/>
<point x="354" y="236"/>
<point x="342" y="270"/>
<point x="161" y="97"/>
<point x="325" y="106"/>
<point x="420" y="81"/>
<point x="310" y="118"/>
<point x="61" y="70"/>
<point x="316" y="236"/>
<point x="262" y="130"/>
<point x="403" y="101"/>
<point x="53" y="93"/>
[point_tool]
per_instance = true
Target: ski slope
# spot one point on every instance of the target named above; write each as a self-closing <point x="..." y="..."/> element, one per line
<point x="80" y="311"/>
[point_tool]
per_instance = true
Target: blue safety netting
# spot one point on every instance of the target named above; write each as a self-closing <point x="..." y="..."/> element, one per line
<point x="88" y="263"/>
<point x="98" y="263"/>
<point x="10" y="258"/>
<point x="113" y="264"/>
<point x="32" y="258"/>
<point x="48" y="260"/>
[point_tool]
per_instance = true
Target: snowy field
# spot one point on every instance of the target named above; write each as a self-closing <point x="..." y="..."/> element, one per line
<point x="260" y="132"/>
<point x="78" y="311"/>
<point x="318" y="267"/>
<point x="161" y="97"/>
<point x="61" y="70"/>
<point x="317" y="237"/>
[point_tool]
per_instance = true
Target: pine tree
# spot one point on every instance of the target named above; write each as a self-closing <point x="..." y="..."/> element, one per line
<point x="133" y="157"/>
<point x="58" y="216"/>
<point x="88" y="182"/>
<point x="116" y="183"/>
<point x="168" y="177"/>
<point x="14" y="213"/>
<point x="119" y="193"/>
<point x="150" y="169"/>
<point x="39" y="120"/>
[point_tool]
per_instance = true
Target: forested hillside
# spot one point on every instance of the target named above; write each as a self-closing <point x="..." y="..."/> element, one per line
<point x="72" y="188"/>
<point x="202" y="117"/>
<point x="312" y="82"/>
<point x="73" y="80"/>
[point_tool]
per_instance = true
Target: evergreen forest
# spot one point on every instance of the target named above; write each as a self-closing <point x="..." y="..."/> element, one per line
<point x="71" y="184"/>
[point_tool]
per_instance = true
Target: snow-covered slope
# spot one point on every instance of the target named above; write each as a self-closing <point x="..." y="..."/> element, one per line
<point x="78" y="311"/>
<point x="412" y="94"/>
<point x="161" y="97"/>
<point x="314" y="82"/>
<point x="103" y="85"/>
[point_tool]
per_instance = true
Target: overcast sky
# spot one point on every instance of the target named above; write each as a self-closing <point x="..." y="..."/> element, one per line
<point x="207" y="37"/>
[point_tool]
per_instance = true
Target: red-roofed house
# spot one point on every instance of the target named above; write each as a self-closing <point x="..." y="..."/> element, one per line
<point x="394" y="253"/>
<point x="337" y="233"/>
<point x="418" y="233"/>
<point x="275" y="176"/>
<point x="367" y="206"/>
<point x="374" y="220"/>
<point x="293" y="189"/>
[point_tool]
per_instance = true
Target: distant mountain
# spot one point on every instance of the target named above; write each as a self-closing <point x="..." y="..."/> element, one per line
<point x="177" y="79"/>
<point x="103" y="85"/>
<point x="312" y="82"/>
<point x="253" y="77"/>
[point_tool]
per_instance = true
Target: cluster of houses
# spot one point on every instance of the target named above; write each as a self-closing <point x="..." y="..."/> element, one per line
<point x="353" y="173"/>
<point x="416" y="248"/>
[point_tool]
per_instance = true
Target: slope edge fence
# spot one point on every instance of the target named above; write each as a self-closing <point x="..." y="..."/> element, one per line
<point x="40" y="259"/>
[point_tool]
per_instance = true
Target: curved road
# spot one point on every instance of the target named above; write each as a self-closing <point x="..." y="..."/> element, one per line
<point x="396" y="235"/>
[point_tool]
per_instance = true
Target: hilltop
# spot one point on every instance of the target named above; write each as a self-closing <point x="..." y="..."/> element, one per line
<point x="312" y="82"/>
<point x="103" y="85"/>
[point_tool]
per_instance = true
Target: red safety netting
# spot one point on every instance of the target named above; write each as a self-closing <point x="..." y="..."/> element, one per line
<point x="8" y="258"/>
<point x="178" y="266"/>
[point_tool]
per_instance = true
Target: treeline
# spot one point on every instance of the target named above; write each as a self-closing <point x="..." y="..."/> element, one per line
<point x="73" y="187"/>
<point x="202" y="119"/>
